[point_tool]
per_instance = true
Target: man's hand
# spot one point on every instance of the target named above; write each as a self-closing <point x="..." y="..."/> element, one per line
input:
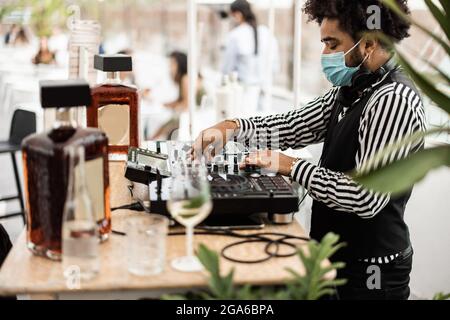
<point x="272" y="161"/>
<point x="212" y="140"/>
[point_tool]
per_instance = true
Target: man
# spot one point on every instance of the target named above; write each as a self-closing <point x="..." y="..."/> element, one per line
<point x="372" y="104"/>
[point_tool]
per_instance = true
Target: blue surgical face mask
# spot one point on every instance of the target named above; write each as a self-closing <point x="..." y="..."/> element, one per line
<point x="335" y="69"/>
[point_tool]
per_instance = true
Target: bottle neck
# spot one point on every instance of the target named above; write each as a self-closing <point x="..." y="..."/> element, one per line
<point x="64" y="118"/>
<point x="113" y="78"/>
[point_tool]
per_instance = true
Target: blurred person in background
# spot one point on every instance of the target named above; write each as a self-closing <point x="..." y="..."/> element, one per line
<point x="22" y="38"/>
<point x="247" y="51"/>
<point x="179" y="74"/>
<point x="44" y="55"/>
<point x="11" y="34"/>
<point x="17" y="36"/>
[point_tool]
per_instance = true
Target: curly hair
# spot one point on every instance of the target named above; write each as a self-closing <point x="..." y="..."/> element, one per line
<point x="353" y="16"/>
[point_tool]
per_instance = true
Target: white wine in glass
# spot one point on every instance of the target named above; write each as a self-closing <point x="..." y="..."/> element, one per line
<point x="189" y="204"/>
<point x="187" y="215"/>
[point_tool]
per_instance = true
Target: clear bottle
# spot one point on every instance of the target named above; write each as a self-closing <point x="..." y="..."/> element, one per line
<point x="46" y="165"/>
<point x="115" y="106"/>
<point x="238" y="95"/>
<point x="79" y="230"/>
<point x="224" y="99"/>
<point x="84" y="43"/>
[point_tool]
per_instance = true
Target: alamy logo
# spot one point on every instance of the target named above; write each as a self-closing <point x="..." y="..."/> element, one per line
<point x="374" y="20"/>
<point x="374" y="280"/>
<point x="73" y="277"/>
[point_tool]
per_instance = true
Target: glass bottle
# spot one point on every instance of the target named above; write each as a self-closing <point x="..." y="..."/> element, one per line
<point x="115" y="106"/>
<point x="46" y="165"/>
<point x="80" y="246"/>
<point x="84" y="44"/>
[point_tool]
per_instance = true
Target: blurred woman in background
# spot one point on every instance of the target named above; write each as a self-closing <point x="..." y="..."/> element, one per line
<point x="247" y="52"/>
<point x="44" y="55"/>
<point x="179" y="74"/>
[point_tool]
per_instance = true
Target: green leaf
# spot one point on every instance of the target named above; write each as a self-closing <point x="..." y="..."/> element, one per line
<point x="446" y="5"/>
<point x="394" y="7"/>
<point x="313" y="284"/>
<point x="400" y="176"/>
<point x="310" y="286"/>
<point x="173" y="297"/>
<point x="209" y="259"/>
<point x="443" y="75"/>
<point x="440" y="17"/>
<point x="387" y="41"/>
<point x="441" y="99"/>
<point x="405" y="141"/>
<point x="245" y="293"/>
<point x="441" y="296"/>
<point x="195" y="202"/>
<point x="220" y="287"/>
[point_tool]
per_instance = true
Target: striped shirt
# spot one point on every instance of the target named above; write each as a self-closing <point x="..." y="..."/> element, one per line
<point x="393" y="112"/>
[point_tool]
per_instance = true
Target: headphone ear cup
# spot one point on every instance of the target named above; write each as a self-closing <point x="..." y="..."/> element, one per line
<point x="345" y="97"/>
<point x="363" y="79"/>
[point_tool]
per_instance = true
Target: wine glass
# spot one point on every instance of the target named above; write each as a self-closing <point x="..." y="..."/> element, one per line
<point x="189" y="204"/>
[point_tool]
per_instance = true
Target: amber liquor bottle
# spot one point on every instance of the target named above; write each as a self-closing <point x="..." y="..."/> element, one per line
<point x="46" y="166"/>
<point x="115" y="106"/>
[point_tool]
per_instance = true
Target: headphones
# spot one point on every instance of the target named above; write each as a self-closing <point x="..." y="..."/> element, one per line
<point x="361" y="80"/>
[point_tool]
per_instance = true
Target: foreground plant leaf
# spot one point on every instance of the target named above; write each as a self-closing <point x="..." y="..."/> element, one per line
<point x="398" y="177"/>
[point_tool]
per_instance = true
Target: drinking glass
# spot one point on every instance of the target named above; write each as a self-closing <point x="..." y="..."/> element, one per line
<point x="189" y="204"/>
<point x="146" y="245"/>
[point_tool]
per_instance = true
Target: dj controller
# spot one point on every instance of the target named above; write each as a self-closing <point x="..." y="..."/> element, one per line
<point x="234" y="191"/>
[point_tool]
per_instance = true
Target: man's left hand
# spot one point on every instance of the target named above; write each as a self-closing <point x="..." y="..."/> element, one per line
<point x="272" y="161"/>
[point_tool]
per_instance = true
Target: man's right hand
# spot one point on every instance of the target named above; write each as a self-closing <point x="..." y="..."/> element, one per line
<point x="212" y="140"/>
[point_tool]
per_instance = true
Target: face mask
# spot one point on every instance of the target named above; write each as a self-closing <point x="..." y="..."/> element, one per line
<point x="335" y="69"/>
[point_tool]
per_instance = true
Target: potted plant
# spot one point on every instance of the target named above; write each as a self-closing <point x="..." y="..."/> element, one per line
<point x="313" y="284"/>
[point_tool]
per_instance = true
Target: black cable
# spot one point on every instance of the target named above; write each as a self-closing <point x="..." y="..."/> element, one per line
<point x="252" y="238"/>
<point x="136" y="206"/>
<point x="269" y="254"/>
<point x="282" y="240"/>
<point x="248" y="238"/>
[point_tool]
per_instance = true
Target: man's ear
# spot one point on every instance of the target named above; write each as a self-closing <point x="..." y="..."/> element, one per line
<point x="370" y="45"/>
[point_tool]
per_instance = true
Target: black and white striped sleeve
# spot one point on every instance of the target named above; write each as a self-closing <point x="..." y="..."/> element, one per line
<point x="395" y="111"/>
<point x="295" y="129"/>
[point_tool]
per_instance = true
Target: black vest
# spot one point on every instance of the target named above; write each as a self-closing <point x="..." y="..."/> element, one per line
<point x="386" y="233"/>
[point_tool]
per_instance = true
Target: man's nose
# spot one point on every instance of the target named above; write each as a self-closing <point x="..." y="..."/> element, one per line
<point x="326" y="50"/>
